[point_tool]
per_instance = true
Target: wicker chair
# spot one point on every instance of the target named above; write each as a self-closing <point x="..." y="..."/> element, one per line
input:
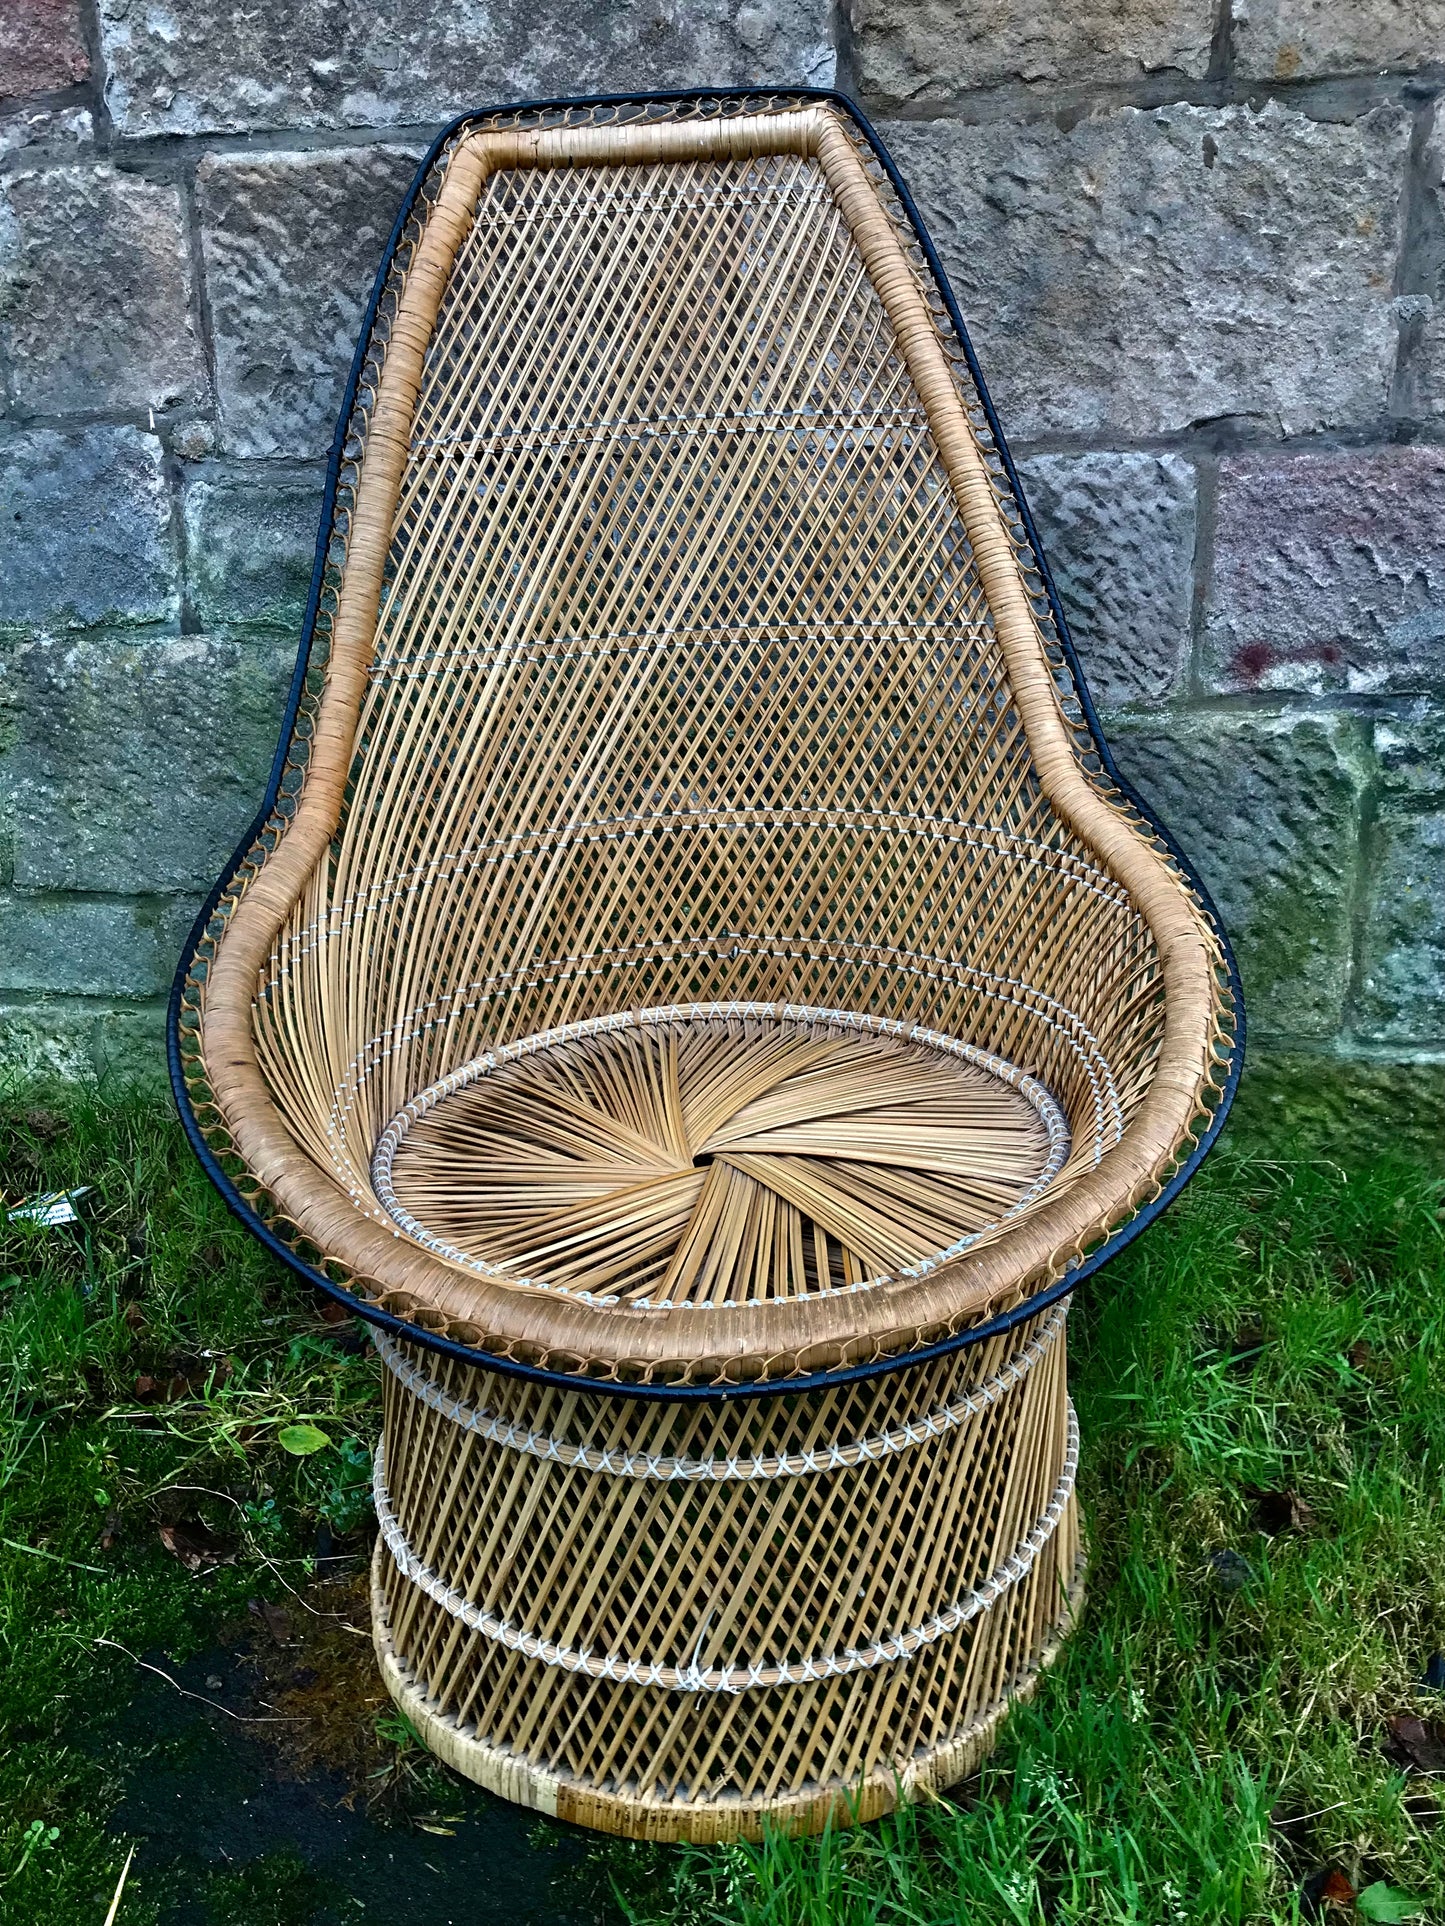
<point x="696" y="984"/>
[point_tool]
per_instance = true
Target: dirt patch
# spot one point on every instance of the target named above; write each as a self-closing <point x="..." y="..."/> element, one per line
<point x="270" y="1784"/>
<point x="311" y="1662"/>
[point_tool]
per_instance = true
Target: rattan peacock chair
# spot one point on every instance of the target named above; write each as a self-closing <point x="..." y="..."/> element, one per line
<point x="697" y="984"/>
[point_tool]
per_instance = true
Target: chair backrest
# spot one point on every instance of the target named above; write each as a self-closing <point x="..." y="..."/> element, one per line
<point x="681" y="643"/>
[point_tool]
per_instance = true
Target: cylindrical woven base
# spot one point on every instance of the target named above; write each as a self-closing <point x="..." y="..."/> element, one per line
<point x="677" y="1621"/>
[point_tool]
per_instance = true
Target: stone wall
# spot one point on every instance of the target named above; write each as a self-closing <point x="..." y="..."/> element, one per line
<point x="1201" y="251"/>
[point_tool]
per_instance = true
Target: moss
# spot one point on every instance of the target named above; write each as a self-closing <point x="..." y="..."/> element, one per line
<point x="1352" y="1108"/>
<point x="1293" y="952"/>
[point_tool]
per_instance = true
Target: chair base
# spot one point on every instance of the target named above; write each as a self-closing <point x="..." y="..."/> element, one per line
<point x="700" y="1822"/>
<point x="682" y="1622"/>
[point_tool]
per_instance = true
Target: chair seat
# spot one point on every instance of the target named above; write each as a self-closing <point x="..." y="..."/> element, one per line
<point x="719" y="1156"/>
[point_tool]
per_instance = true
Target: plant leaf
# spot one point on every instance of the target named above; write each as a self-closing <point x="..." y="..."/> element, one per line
<point x="302" y="1439"/>
<point x="1386" y="1902"/>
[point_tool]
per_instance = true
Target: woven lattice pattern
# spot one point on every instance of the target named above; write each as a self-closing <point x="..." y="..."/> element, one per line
<point x="680" y="652"/>
<point x="753" y="1607"/>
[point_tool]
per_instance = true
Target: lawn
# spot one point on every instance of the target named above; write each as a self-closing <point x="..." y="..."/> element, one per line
<point x="1244" y="1727"/>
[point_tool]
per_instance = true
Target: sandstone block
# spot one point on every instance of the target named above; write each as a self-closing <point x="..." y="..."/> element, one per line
<point x="291" y="244"/>
<point x="1118" y="531"/>
<point x="1329" y="572"/>
<point x="94" y="305"/>
<point x="251" y="541"/>
<point x="932" y="49"/>
<point x="1330" y="1104"/>
<point x="1402" y="986"/>
<point x="87" y="521"/>
<point x="1151" y="269"/>
<point x="315" y="63"/>
<point x="42" y="47"/>
<point x="1410" y="751"/>
<point x="91" y="946"/>
<point x="76" y="1039"/>
<point x="1268" y="808"/>
<point x="1303" y="39"/>
<point x="1423" y="389"/>
<point x="136" y="767"/>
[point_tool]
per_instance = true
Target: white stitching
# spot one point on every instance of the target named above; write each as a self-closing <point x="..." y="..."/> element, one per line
<point x="631" y="1464"/>
<point x="731" y="1678"/>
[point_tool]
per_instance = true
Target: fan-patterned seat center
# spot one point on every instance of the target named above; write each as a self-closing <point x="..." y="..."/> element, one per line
<point x="719" y="1156"/>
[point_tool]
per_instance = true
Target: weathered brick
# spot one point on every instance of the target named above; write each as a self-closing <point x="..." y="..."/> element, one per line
<point x="87" y="520"/>
<point x="1402" y="985"/>
<point x="251" y="542"/>
<point x="136" y="767"/>
<point x="1340" y="1106"/>
<point x="1146" y="270"/>
<point x="42" y="47"/>
<point x="316" y="63"/>
<point x="932" y="49"/>
<point x="1304" y="39"/>
<point x="1269" y="809"/>
<point x="75" y="1039"/>
<point x="1329" y="572"/>
<point x="1118" y="531"/>
<point x="94" y="310"/>
<point x="91" y="946"/>
<point x="291" y="245"/>
<point x="1422" y="391"/>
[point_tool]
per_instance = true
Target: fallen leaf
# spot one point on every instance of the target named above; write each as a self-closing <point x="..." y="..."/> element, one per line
<point x="149" y="1390"/>
<point x="1380" y="1901"/>
<point x="134" y="1316"/>
<point x="331" y="1311"/>
<point x="278" y="1622"/>
<point x="302" y="1439"/>
<point x="1359" y="1354"/>
<point x="1418" y="1742"/>
<point x="1328" y="1887"/>
<point x="196" y="1545"/>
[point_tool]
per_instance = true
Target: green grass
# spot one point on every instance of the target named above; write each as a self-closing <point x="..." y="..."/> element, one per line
<point x="1212" y="1735"/>
<point x="1272" y="1353"/>
<point x="160" y="1283"/>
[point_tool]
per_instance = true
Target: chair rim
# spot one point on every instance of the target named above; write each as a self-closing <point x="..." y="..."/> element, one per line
<point x="1004" y="1308"/>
